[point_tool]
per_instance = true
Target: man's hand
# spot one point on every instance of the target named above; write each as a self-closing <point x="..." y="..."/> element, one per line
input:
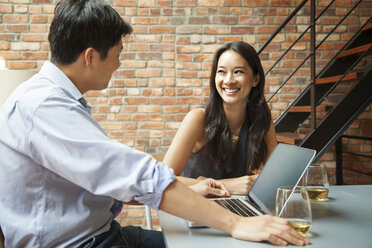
<point x="275" y="230"/>
<point x="210" y="187"/>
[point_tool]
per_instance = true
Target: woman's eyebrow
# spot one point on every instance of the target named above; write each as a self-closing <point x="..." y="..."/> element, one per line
<point x="236" y="67"/>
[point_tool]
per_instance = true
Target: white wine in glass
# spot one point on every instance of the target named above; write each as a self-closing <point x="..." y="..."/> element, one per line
<point x="316" y="182"/>
<point x="293" y="204"/>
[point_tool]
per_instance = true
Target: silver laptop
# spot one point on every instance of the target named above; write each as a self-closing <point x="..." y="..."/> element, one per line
<point x="285" y="166"/>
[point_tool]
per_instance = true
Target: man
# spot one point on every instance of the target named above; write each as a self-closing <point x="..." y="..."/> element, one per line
<point x="63" y="180"/>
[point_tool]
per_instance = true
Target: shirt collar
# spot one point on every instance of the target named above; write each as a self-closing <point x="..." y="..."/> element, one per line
<point x="56" y="76"/>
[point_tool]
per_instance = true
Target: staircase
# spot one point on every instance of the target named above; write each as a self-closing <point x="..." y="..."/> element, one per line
<point x="322" y="112"/>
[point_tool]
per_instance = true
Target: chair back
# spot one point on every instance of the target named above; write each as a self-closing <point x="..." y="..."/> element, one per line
<point x="10" y="79"/>
<point x="1" y="239"/>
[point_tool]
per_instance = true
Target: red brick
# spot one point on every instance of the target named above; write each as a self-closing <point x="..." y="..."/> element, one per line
<point x="189" y="30"/>
<point x="184" y="57"/>
<point x="185" y="3"/>
<point x="39" y="19"/>
<point x="149" y="109"/>
<point x="15" y="18"/>
<point x="22" y="65"/>
<point x="144" y="20"/>
<point x="127" y="3"/>
<point x="279" y="3"/>
<point x="151" y="125"/>
<point x="155" y="117"/>
<point x="231" y="3"/>
<point x="17" y="28"/>
<point x="148" y="73"/>
<point x="99" y="117"/>
<point x="254" y="3"/>
<point x="139" y="117"/>
<point x="38" y="28"/>
<point x="4" y="45"/>
<point x="225" y="20"/>
<point x="162" y="47"/>
<point x="148" y="56"/>
<point x="137" y="100"/>
<point x="33" y="9"/>
<point x="111" y="125"/>
<point x="34" y="37"/>
<point x="162" y="100"/>
<point x="35" y="55"/>
<point x="42" y="1"/>
<point x="123" y="117"/>
<point x="199" y="20"/>
<point x="211" y="3"/>
<point x="5" y="8"/>
<point x="161" y="29"/>
<point x="188" y="100"/>
<point x="187" y="74"/>
<point x="253" y="20"/>
<point x="161" y="82"/>
<point x="138" y="47"/>
<point x="169" y="92"/>
<point x="218" y="30"/>
<point x="176" y="109"/>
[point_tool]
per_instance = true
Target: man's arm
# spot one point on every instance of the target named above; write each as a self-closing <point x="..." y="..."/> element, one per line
<point x="181" y="201"/>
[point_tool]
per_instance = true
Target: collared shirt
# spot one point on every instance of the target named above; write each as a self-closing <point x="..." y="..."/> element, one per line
<point x="62" y="179"/>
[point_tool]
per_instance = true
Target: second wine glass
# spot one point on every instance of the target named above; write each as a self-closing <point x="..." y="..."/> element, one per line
<point x="316" y="182"/>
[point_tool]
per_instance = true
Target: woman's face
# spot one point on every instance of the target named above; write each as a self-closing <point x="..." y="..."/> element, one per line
<point x="234" y="78"/>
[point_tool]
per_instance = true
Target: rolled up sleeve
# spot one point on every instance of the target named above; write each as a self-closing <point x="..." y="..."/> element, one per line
<point x="162" y="177"/>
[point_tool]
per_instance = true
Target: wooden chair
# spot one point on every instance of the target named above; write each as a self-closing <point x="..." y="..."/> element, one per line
<point x="10" y="79"/>
<point x="1" y="239"/>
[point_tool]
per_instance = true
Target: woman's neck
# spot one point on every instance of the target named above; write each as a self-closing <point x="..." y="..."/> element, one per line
<point x="235" y="116"/>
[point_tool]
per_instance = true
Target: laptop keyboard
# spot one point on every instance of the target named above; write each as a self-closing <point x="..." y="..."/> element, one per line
<point x="236" y="206"/>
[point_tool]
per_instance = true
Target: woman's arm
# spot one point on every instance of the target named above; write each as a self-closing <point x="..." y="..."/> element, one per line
<point x="239" y="185"/>
<point x="270" y="140"/>
<point x="189" y="134"/>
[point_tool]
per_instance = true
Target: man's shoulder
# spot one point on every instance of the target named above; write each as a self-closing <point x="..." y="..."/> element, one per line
<point x="33" y="92"/>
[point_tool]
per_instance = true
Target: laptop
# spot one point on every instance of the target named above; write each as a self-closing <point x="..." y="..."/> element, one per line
<point x="285" y="166"/>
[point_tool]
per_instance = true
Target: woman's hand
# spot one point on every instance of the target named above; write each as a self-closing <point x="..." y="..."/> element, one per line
<point x="239" y="185"/>
<point x="210" y="187"/>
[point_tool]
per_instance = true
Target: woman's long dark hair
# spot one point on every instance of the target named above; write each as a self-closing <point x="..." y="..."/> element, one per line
<point x="219" y="143"/>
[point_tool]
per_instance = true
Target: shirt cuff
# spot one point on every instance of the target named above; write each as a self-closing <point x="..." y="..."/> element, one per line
<point x="162" y="177"/>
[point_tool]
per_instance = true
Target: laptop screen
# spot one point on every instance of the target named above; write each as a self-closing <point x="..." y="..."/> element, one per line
<point x="285" y="166"/>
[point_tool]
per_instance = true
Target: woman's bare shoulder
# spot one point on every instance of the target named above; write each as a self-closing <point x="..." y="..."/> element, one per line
<point x="196" y="114"/>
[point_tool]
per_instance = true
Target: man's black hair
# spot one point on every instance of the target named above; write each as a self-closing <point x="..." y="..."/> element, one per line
<point x="79" y="24"/>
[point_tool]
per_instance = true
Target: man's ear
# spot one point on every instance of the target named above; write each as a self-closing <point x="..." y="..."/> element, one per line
<point x="88" y="56"/>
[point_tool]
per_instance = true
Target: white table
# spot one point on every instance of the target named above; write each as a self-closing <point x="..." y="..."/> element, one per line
<point x="345" y="220"/>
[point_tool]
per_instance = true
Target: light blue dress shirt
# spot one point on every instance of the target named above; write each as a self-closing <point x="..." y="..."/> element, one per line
<point x="62" y="179"/>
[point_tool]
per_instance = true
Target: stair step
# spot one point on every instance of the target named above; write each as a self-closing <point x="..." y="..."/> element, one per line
<point x="289" y="138"/>
<point x="306" y="109"/>
<point x="354" y="50"/>
<point x="368" y="26"/>
<point x="334" y="79"/>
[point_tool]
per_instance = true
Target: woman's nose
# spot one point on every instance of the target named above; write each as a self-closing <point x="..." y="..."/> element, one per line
<point x="229" y="78"/>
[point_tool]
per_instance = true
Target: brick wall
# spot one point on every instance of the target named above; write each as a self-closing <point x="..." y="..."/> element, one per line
<point x="166" y="61"/>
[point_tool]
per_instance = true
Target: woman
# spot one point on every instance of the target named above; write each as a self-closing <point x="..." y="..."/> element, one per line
<point x="234" y="135"/>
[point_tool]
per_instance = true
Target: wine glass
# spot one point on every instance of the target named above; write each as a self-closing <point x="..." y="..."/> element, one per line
<point x="293" y="204"/>
<point x="316" y="182"/>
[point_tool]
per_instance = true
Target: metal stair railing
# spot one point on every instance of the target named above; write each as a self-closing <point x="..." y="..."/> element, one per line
<point x="311" y="55"/>
<point x="339" y="152"/>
